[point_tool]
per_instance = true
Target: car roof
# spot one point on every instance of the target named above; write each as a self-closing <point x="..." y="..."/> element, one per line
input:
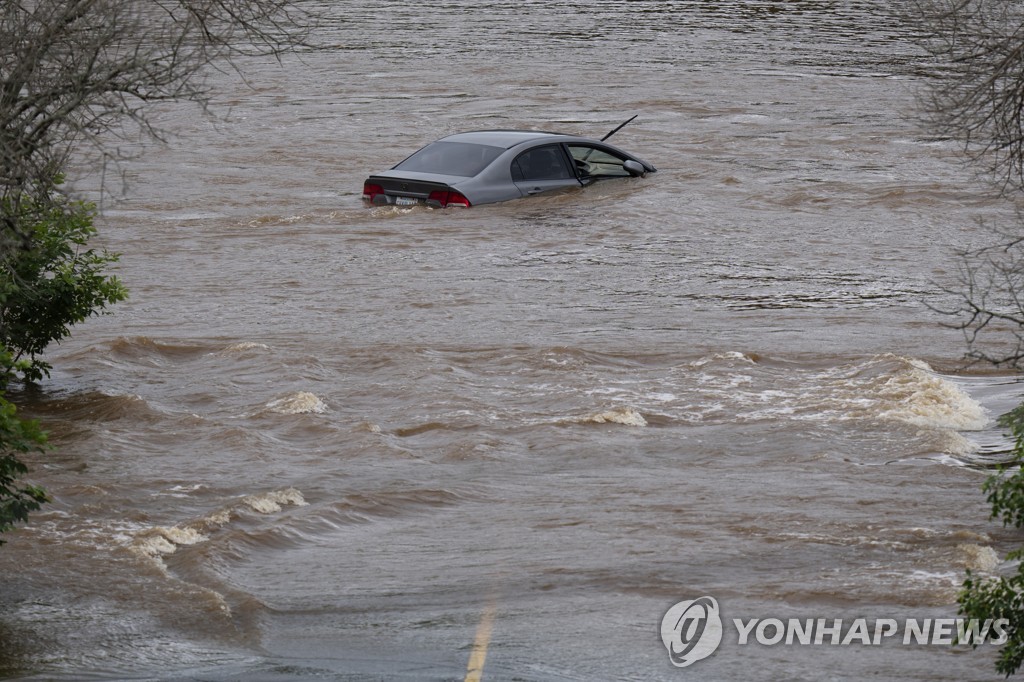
<point x="503" y="138"/>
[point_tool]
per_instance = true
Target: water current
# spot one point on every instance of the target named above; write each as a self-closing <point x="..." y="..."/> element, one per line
<point x="326" y="441"/>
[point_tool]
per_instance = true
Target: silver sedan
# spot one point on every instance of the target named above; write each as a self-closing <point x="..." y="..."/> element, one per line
<point x="486" y="166"/>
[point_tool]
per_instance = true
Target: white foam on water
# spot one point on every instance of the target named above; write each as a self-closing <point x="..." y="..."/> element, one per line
<point x="920" y="397"/>
<point x="180" y="491"/>
<point x="302" y="402"/>
<point x="246" y="346"/>
<point x="890" y="388"/>
<point x="272" y="502"/>
<point x="953" y="443"/>
<point x="626" y="416"/>
<point x="55" y="526"/>
<point x="369" y="427"/>
<point x="948" y="578"/>
<point x="978" y="557"/>
<point x="219" y="517"/>
<point x="737" y="387"/>
<point x="160" y="540"/>
<point x="886" y="387"/>
<point x="717" y="357"/>
<point x="971" y="536"/>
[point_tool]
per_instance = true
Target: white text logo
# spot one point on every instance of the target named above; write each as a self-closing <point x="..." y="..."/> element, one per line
<point x="691" y="630"/>
<point x="836" y="631"/>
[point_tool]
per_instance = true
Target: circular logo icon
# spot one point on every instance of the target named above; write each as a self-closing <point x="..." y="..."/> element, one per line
<point x="691" y="630"/>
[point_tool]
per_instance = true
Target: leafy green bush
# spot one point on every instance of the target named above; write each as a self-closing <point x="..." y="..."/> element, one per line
<point x="48" y="283"/>
<point x="1003" y="597"/>
<point x="16" y="436"/>
<point x="52" y="283"/>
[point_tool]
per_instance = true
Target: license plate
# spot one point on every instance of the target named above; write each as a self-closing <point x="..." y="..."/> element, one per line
<point x="406" y="201"/>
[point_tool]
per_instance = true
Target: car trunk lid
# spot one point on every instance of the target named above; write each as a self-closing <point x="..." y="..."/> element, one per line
<point x="408" y="190"/>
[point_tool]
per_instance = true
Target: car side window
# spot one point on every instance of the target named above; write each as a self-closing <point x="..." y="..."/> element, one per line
<point x="541" y="163"/>
<point x="598" y="163"/>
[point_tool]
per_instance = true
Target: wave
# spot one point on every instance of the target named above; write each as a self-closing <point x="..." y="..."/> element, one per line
<point x="269" y="503"/>
<point x="396" y="502"/>
<point x="886" y="387"/>
<point x="954" y="443"/>
<point x="194" y="575"/>
<point x="718" y="388"/>
<point x="978" y="558"/>
<point x="97" y="406"/>
<point x="140" y="347"/>
<point x="727" y="357"/>
<point x="302" y="402"/>
<point x="915" y="394"/>
<point x="158" y="541"/>
<point x="246" y="347"/>
<point x="144" y="349"/>
<point x="408" y="431"/>
<point x="627" y="416"/>
<point x="163" y="540"/>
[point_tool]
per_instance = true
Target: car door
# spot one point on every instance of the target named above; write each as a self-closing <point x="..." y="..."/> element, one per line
<point x="542" y="169"/>
<point x="597" y="163"/>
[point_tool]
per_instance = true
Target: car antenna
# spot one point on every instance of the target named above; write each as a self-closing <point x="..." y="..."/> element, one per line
<point x="621" y="126"/>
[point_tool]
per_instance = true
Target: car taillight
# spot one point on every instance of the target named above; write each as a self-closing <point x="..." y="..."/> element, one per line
<point x="445" y="198"/>
<point x="370" y="191"/>
<point x="456" y="199"/>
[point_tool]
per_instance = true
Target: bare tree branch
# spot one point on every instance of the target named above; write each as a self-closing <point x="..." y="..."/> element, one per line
<point x="978" y="94"/>
<point x="988" y="299"/>
<point x="83" y="74"/>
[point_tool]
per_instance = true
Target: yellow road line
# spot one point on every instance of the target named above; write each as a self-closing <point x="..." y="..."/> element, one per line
<point x="475" y="669"/>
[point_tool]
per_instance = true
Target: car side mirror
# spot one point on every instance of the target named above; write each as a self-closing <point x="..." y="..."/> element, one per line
<point x="634" y="168"/>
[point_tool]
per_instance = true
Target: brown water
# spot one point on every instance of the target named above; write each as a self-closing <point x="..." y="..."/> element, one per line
<point x="321" y="441"/>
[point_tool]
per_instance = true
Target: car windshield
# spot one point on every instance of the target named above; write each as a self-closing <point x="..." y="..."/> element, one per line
<point x="451" y="158"/>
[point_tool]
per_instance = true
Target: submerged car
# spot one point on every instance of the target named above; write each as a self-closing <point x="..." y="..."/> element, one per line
<point x="487" y="166"/>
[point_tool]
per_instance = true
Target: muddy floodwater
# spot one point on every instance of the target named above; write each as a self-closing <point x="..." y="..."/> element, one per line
<point x="326" y="441"/>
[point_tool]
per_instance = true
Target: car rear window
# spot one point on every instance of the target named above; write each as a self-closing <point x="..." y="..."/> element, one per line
<point x="451" y="158"/>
